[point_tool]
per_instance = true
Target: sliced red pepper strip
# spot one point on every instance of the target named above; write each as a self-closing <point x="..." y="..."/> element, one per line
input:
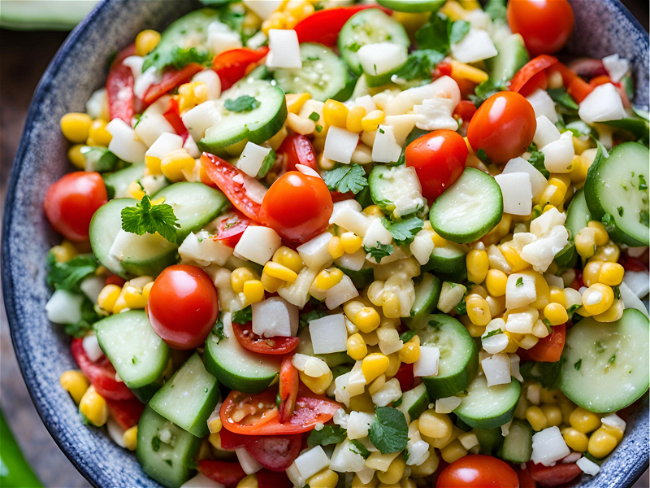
<point x="228" y="474"/>
<point x="289" y="384"/>
<point x="119" y="88"/>
<point x="530" y="69"/>
<point x="173" y="116"/>
<point x="233" y="65"/>
<point x="324" y="26"/>
<point x="170" y="80"/>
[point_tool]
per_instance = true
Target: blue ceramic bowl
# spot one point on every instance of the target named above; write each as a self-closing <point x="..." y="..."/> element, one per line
<point x="602" y="27"/>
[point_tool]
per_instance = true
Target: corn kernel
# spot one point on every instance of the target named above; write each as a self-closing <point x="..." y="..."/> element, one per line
<point x="597" y="299"/>
<point x="583" y="420"/>
<point x="536" y="418"/>
<point x="609" y="253"/>
<point x="64" y="252"/>
<point x="75" y="127"/>
<point x="556" y="314"/>
<point x="240" y="276"/>
<point x="478" y="310"/>
<point x="576" y="440"/>
<point x="372" y="121"/>
<point x="173" y="164"/>
<point x="215" y="425"/>
<point x="513" y="258"/>
<point x="108" y="296"/>
<point x="76" y="157"/>
<point x="215" y="441"/>
<point x="146" y="41"/>
<point x="335" y="113"/>
<point x="325" y="478"/>
<point x="130" y="438"/>
<point x="453" y="451"/>
<point x="317" y="385"/>
<point x="434" y="425"/>
<point x="328" y="278"/>
<point x="289" y="258"/>
<point x="612" y="314"/>
<point x="601" y="444"/>
<point x="591" y="272"/>
<point x="295" y="101"/>
<point x="453" y="10"/>
<point x="554" y="193"/>
<point x="495" y="282"/>
<point x="335" y="248"/>
<point x="366" y="319"/>
<point x="357" y="483"/>
<point x="355" y="116"/>
<point x="253" y="291"/>
<point x="373" y="211"/>
<point x="474" y="330"/>
<point x="270" y="283"/>
<point x="601" y="237"/>
<point x="351" y="242"/>
<point x="300" y="125"/>
<point x="356" y="347"/>
<point x="466" y="72"/>
<point x="477" y="266"/>
<point x="394" y="473"/>
<point x="553" y="415"/>
<point x="248" y="481"/>
<point x="374" y="365"/>
<point x="410" y="351"/>
<point x="75" y="383"/>
<point x="146" y="290"/>
<point x="94" y="407"/>
<point x="611" y="274"/>
<point x="585" y="241"/>
<point x="133" y="297"/>
<point x="99" y="134"/>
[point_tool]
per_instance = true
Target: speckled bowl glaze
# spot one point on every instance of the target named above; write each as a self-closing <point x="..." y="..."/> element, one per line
<point x="602" y="27"/>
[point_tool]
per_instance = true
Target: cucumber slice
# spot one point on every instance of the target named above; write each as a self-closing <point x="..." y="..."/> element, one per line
<point x="468" y="209"/>
<point x="189" y="397"/>
<point x="323" y="74"/>
<point x="132" y="346"/>
<point x="369" y="26"/>
<point x="490" y="440"/>
<point x="449" y="263"/>
<point x="606" y="364"/>
<point x="577" y="218"/>
<point x="194" y="204"/>
<point x="512" y="56"/>
<point x="390" y="184"/>
<point x="117" y="183"/>
<point x="332" y="360"/>
<point x="412" y="6"/>
<point x="487" y="407"/>
<point x="518" y="445"/>
<point x="617" y="187"/>
<point x="427" y="293"/>
<point x="235" y="367"/>
<point x="257" y="125"/>
<point x="414" y="402"/>
<point x="166" y="462"/>
<point x="458" y="355"/>
<point x="100" y="159"/>
<point x="148" y="254"/>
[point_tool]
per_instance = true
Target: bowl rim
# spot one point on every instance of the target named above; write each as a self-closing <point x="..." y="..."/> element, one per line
<point x="42" y="90"/>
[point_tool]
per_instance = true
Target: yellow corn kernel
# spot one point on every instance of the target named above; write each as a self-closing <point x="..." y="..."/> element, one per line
<point x="215" y="441"/>
<point x="597" y="299"/>
<point x="578" y="174"/>
<point x="270" y="283"/>
<point x="438" y="240"/>
<point x="248" y="481"/>
<point x="591" y="272"/>
<point x="75" y="126"/>
<point x="478" y="310"/>
<point x="495" y="282"/>
<point x="215" y="425"/>
<point x="295" y="101"/>
<point x="357" y="483"/>
<point x="325" y="478"/>
<point x="611" y="274"/>
<point x="554" y="193"/>
<point x="576" y="440"/>
<point x="434" y="425"/>
<point x="120" y="303"/>
<point x="453" y="10"/>
<point x="133" y="297"/>
<point x="173" y="164"/>
<point x="585" y="241"/>
<point x="612" y="314"/>
<point x="373" y="211"/>
<point x="466" y="72"/>
<point x="355" y="116"/>
<point x="394" y="473"/>
<point x="617" y="433"/>
<point x="351" y="242"/>
<point x="367" y="319"/>
<point x="253" y="291"/>
<point x="64" y="252"/>
<point x="335" y="113"/>
<point x="297" y="10"/>
<point x="477" y="266"/>
<point x="328" y="278"/>
<point x="289" y="258"/>
<point x="550" y="397"/>
<point x="371" y="121"/>
<point x="351" y="307"/>
<point x="356" y="347"/>
<point x="108" y="296"/>
<point x="377" y="385"/>
<point x="373" y="365"/>
<point x="277" y="20"/>
<point x="93" y="406"/>
<point x="391" y="306"/>
<point x="240" y="276"/>
<point x="514" y="259"/>
<point x="76" y="157"/>
<point x="553" y="415"/>
<point x="407" y="483"/>
<point x="99" y="134"/>
<point x="601" y="444"/>
<point x="146" y="41"/>
<point x="475" y="330"/>
<point x="601" y="237"/>
<point x="146" y="290"/>
<point x="556" y="295"/>
<point x="410" y="351"/>
<point x="609" y="253"/>
<point x="317" y="385"/>
<point x="536" y="418"/>
<point x="75" y="383"/>
<point x="393" y="365"/>
<point x="136" y="190"/>
<point x="453" y="451"/>
<point x="335" y="248"/>
<point x="583" y="420"/>
<point x="130" y="438"/>
<point x="556" y="314"/>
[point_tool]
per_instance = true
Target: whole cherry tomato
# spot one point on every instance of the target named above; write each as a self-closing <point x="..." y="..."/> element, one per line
<point x="183" y="306"/>
<point x="439" y="160"/>
<point x="476" y="471"/>
<point x="71" y="202"/>
<point x="545" y="25"/>
<point x="503" y="127"/>
<point x="297" y="206"/>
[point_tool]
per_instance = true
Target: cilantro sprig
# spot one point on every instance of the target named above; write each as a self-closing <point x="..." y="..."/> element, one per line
<point x="389" y="430"/>
<point x="404" y="230"/>
<point x="380" y="251"/>
<point x="328" y="435"/>
<point x="245" y="103"/>
<point x="146" y="218"/>
<point x="346" y="178"/>
<point x="243" y="316"/>
<point x="70" y="274"/>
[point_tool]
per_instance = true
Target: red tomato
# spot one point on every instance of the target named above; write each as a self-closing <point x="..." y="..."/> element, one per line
<point x="115" y="280"/>
<point x="119" y="88"/>
<point x="170" y="80"/>
<point x="270" y="479"/>
<point x="71" y="202"/>
<point x="529" y="72"/>
<point x="231" y="229"/>
<point x="127" y="413"/>
<point x="549" y="349"/>
<point x="553" y="475"/>
<point x="263" y="345"/>
<point x="545" y="25"/>
<point x="405" y="376"/>
<point x="297" y="206"/>
<point x="289" y="384"/>
<point x="263" y="416"/>
<point x="101" y="374"/>
<point x="232" y="65"/>
<point x="525" y="480"/>
<point x="174" y="118"/>
<point x="503" y="127"/>
<point x="296" y="149"/>
<point x="274" y="452"/>
<point x="228" y="474"/>
<point x="477" y="471"/>
<point x="439" y="160"/>
<point x="324" y="26"/>
<point x="465" y="110"/>
<point x="443" y="68"/>
<point x="183" y="306"/>
<point x="634" y="264"/>
<point x="232" y="181"/>
<point x="600" y="80"/>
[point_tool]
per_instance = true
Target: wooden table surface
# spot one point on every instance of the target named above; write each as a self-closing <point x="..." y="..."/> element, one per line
<point x="23" y="59"/>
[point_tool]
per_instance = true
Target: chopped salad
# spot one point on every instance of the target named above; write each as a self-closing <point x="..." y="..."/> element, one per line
<point x="326" y="244"/>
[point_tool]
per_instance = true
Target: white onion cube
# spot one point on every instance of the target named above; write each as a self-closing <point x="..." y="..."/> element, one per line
<point x="340" y="145"/>
<point x="385" y="149"/>
<point x="201" y="118"/>
<point x="543" y="104"/>
<point x="549" y="447"/>
<point x="537" y="180"/>
<point x="558" y="155"/>
<point x="275" y="317"/>
<point x="151" y="126"/>
<point x="258" y="244"/>
<point x="64" y="307"/>
<point x="427" y="364"/>
<point x="359" y="424"/>
<point x="475" y="46"/>
<point x="497" y="369"/>
<point x="164" y="144"/>
<point x="601" y="105"/>
<point x="314" y="253"/>
<point x="263" y="8"/>
<point x="377" y="233"/>
<point x="284" y="49"/>
<point x="382" y="57"/>
<point x="546" y="132"/>
<point x="340" y="293"/>
<point x="328" y="334"/>
<point x="125" y="143"/>
<point x="520" y="291"/>
<point x="252" y="158"/>
<point x="517" y="193"/>
<point x="588" y="466"/>
<point x="212" y="80"/>
<point x="616" y="66"/>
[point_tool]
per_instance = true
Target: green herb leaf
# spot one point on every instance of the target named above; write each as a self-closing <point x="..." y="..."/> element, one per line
<point x="617" y="292"/>
<point x="267" y="164"/>
<point x="359" y="449"/>
<point x="461" y="308"/>
<point x="379" y="252"/>
<point x="174" y="57"/>
<point x="492" y="333"/>
<point x="537" y="160"/>
<point x="69" y="275"/>
<point x="404" y="231"/>
<point x="563" y="99"/>
<point x="435" y="34"/>
<point x="459" y="30"/>
<point x="572" y="309"/>
<point x="328" y="435"/>
<point x="482" y="156"/>
<point x="578" y="364"/>
<point x="145" y="218"/>
<point x="217" y="330"/>
<point x="346" y="178"/>
<point x="420" y="64"/>
<point x="547" y="374"/>
<point x="485" y="90"/>
<point x="520" y="282"/>
<point x="389" y="430"/>
<point x="243" y="316"/>
<point x="305" y="318"/>
<point x="314" y="116"/>
<point x="155" y="443"/>
<point x="407" y="336"/>
<point x="496" y="9"/>
<point x="245" y="103"/>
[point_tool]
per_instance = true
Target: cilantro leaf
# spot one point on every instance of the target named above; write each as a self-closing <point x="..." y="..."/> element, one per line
<point x="461" y="308"/>
<point x="217" y="330"/>
<point x="407" y="336"/>
<point x="404" y="230"/>
<point x="578" y="364"/>
<point x="520" y="282"/>
<point x="145" y="218"/>
<point x="485" y="90"/>
<point x="547" y="374"/>
<point x="267" y="164"/>
<point x="420" y="64"/>
<point x="483" y="156"/>
<point x="243" y="316"/>
<point x="346" y="178"/>
<point x="537" y="160"/>
<point x="379" y="252"/>
<point x="389" y="430"/>
<point x="459" y="30"/>
<point x="435" y="34"/>
<point x="328" y="435"/>
<point x="496" y="9"/>
<point x="305" y="318"/>
<point x="572" y="309"/>
<point x="174" y="57"/>
<point x="492" y="333"/>
<point x="245" y="103"/>
<point x="69" y="275"/>
<point x="563" y="99"/>
<point x="359" y="449"/>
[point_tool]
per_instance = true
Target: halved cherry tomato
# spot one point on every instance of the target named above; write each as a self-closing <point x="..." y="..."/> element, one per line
<point x="263" y="417"/>
<point x="174" y="118"/>
<point x="289" y="384"/>
<point x="228" y="474"/>
<point x="170" y="80"/>
<point x="465" y="110"/>
<point x="232" y="181"/>
<point x="183" y="306"/>
<point x="545" y="25"/>
<point x="119" y="88"/>
<point x="525" y="480"/>
<point x="297" y="206"/>
<point x="549" y="349"/>
<point x="274" y="452"/>
<point x="477" y="471"/>
<point x="439" y="159"/>
<point x="127" y="413"/>
<point x="115" y="280"/>
<point x="71" y="202"/>
<point x="405" y="376"/>
<point x="296" y="149"/>
<point x="503" y="127"/>
<point x="634" y="264"/>
<point x="101" y="374"/>
<point x="232" y="65"/>
<point x="553" y="475"/>
<point x="529" y="71"/>
<point x="231" y="229"/>
<point x="270" y="479"/>
<point x="324" y="26"/>
<point x="263" y="345"/>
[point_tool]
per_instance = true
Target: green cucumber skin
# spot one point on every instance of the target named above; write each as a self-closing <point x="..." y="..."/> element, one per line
<point x="428" y="306"/>
<point x="578" y="217"/>
<point x="490" y="440"/>
<point x="375" y="185"/>
<point x="517" y="446"/>
<point x="447" y="268"/>
<point x="491" y="422"/>
<point x="420" y="405"/>
<point x="118" y="182"/>
<point x="512" y="56"/>
<point x="361" y="278"/>
<point x="412" y="6"/>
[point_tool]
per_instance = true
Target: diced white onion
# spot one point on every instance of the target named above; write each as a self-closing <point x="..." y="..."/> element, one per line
<point x="247" y="462"/>
<point x="345" y="459"/>
<point x="92" y="286"/>
<point x="97" y="104"/>
<point x="630" y="300"/>
<point x="549" y="447"/>
<point x="201" y="481"/>
<point x="165" y="143"/>
<point x="297" y="293"/>
<point x="637" y="281"/>
<point x="601" y="105"/>
<point x="258" y="244"/>
<point x="265" y="8"/>
<point x="151" y="126"/>
<point x="284" y="49"/>
<point x="543" y="105"/>
<point x="115" y="432"/>
<point x="387" y="394"/>
<point x="520" y="291"/>
<point x="382" y="57"/>
<point x="314" y="253"/>
<point x="385" y="149"/>
<point x="497" y="369"/>
<point x="359" y="424"/>
<point x="389" y="341"/>
<point x="201" y="118"/>
<point x="252" y="158"/>
<point x="447" y="405"/>
<point x="142" y="84"/>
<point x="222" y="38"/>
<point x="435" y="114"/>
<point x="353" y="262"/>
<point x="64" y="307"/>
<point x="517" y="193"/>
<point x="588" y="466"/>
<point x="558" y="155"/>
<point x="212" y="80"/>
<point x="340" y="145"/>
<point x="340" y="293"/>
<point x="275" y="317"/>
<point x="422" y="247"/>
<point x="427" y="364"/>
<point x="311" y="462"/>
<point x="546" y="132"/>
<point x="328" y="334"/>
<point x="402" y="126"/>
<point x="475" y="46"/>
<point x="356" y="381"/>
<point x="377" y="233"/>
<point x="203" y="250"/>
<point x="616" y="67"/>
<point x="91" y="347"/>
<point x="125" y="143"/>
<point x="347" y="214"/>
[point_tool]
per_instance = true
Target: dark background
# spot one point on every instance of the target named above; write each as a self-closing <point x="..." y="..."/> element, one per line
<point x="23" y="59"/>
